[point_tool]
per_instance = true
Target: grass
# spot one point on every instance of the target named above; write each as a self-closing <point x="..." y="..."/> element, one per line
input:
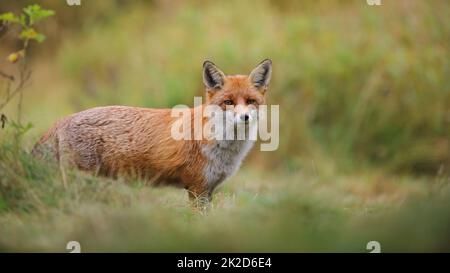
<point x="254" y="211"/>
<point x="364" y="152"/>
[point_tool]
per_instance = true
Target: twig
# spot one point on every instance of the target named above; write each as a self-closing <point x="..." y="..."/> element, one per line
<point x="3" y="120"/>
<point x="25" y="75"/>
<point x="3" y="27"/>
<point x="4" y="75"/>
<point x="23" y="70"/>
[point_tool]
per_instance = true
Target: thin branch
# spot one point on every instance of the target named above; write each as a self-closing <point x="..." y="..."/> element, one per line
<point x="3" y="29"/>
<point x="4" y="75"/>
<point x="24" y="77"/>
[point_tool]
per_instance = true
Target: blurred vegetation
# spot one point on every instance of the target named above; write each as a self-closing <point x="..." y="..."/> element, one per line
<point x="364" y="95"/>
<point x="358" y="84"/>
<point x="254" y="211"/>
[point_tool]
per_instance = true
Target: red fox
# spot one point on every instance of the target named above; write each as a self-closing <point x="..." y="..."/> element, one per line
<point x="122" y="140"/>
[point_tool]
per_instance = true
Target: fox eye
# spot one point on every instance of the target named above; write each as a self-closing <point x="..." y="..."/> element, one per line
<point x="228" y="102"/>
<point x="251" y="101"/>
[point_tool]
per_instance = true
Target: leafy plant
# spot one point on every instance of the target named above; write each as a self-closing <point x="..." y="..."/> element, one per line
<point x="26" y="21"/>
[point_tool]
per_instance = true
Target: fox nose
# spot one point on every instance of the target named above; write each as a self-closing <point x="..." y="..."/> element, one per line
<point x="245" y="117"/>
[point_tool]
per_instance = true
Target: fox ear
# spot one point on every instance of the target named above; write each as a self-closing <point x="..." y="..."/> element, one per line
<point x="213" y="77"/>
<point x="260" y="76"/>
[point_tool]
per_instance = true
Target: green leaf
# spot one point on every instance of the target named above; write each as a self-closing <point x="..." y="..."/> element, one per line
<point x="9" y="17"/>
<point x="40" y="37"/>
<point x="28" y="33"/>
<point x="36" y="13"/>
<point x="23" y="20"/>
<point x="32" y="34"/>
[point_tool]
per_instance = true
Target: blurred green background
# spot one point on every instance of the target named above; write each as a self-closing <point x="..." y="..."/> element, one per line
<point x="364" y="95"/>
<point x="358" y="84"/>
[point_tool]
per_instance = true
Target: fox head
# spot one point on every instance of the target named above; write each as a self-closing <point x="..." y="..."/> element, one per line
<point x="239" y="96"/>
